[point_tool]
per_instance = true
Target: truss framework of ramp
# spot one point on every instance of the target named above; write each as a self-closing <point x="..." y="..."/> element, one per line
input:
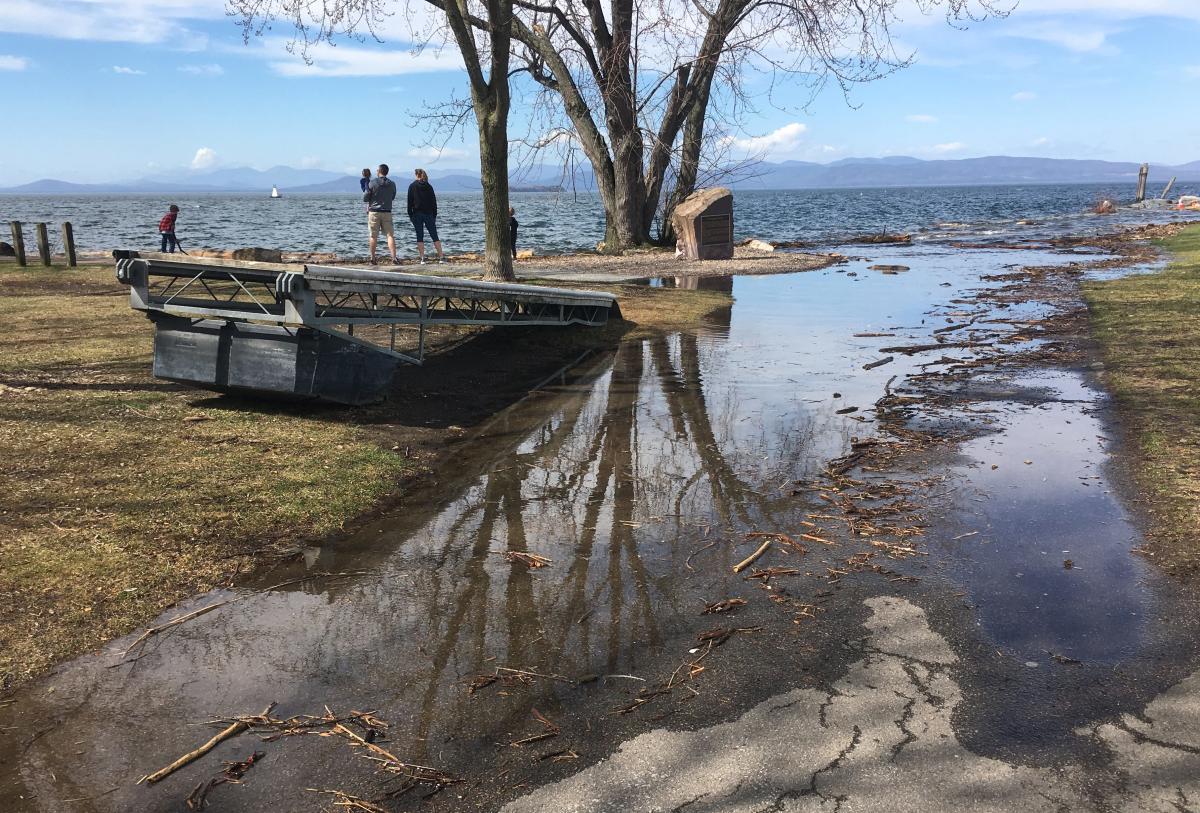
<point x="325" y="298"/>
<point x="217" y="319"/>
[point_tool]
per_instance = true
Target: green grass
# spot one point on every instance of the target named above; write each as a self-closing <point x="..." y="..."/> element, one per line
<point x="1149" y="329"/>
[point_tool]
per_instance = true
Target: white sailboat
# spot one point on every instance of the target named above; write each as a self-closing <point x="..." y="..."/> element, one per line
<point x="275" y="191"/>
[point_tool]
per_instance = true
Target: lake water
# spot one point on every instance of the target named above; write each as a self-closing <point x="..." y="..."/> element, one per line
<point x="565" y="222"/>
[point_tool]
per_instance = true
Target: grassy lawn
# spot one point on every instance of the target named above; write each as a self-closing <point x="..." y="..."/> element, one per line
<point x="121" y="494"/>
<point x="1149" y="328"/>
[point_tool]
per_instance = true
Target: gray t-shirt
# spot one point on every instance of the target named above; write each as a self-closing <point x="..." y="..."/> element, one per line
<point x="380" y="194"/>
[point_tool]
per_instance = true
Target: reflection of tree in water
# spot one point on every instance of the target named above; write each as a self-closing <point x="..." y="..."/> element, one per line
<point x="577" y="489"/>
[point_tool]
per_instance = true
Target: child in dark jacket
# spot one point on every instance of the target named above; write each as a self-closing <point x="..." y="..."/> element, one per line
<point x="365" y="180"/>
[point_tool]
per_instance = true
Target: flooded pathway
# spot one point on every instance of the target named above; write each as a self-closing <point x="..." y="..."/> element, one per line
<point x="635" y="478"/>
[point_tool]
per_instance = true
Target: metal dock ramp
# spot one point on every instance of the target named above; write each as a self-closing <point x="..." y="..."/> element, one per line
<point x="291" y="329"/>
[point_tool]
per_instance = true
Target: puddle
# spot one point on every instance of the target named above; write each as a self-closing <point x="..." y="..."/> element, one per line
<point x="1048" y="562"/>
<point x="630" y="474"/>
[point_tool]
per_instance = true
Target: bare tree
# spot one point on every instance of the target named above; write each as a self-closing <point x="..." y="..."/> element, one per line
<point x="639" y="81"/>
<point x="482" y="33"/>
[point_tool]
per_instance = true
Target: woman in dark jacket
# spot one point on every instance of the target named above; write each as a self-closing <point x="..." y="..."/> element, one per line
<point x="422" y="211"/>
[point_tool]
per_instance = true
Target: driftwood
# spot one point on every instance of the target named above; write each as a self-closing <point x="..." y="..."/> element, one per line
<point x="192" y="756"/>
<point x="880" y="363"/>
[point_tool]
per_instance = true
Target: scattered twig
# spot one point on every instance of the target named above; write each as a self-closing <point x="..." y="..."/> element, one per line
<point x="723" y="606"/>
<point x="174" y="622"/>
<point x="552" y="730"/>
<point x="391" y="762"/>
<point x="688" y="562"/>
<point x="192" y="756"/>
<point x="533" y="560"/>
<point x="231" y="773"/>
<point x="749" y="560"/>
<point x="350" y="802"/>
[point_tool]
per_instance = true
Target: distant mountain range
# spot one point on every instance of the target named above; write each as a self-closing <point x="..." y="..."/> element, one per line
<point x="848" y="172"/>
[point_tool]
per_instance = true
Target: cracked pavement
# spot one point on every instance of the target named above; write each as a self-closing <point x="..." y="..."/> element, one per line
<point x="881" y="739"/>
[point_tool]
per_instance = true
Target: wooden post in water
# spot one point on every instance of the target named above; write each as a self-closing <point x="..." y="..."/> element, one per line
<point x="1143" y="174"/>
<point x="1167" y="191"/>
<point x="18" y="236"/>
<point x="43" y="241"/>
<point x="68" y="235"/>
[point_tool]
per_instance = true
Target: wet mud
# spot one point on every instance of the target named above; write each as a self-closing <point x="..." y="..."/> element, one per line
<point x="544" y="598"/>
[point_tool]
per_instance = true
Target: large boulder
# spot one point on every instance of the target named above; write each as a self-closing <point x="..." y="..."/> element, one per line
<point x="704" y="224"/>
<point x="6" y="250"/>
<point x="259" y="255"/>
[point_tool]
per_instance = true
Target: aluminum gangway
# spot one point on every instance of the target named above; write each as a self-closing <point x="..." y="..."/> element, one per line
<point x="318" y="331"/>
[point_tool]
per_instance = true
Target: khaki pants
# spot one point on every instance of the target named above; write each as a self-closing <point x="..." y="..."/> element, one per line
<point x="380" y="222"/>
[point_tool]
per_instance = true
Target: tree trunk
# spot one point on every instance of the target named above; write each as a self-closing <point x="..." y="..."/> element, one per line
<point x="689" y="160"/>
<point x="493" y="165"/>
<point x="629" y="198"/>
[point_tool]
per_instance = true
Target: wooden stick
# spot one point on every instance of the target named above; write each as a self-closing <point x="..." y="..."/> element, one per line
<point x="192" y="756"/>
<point x="749" y="560"/>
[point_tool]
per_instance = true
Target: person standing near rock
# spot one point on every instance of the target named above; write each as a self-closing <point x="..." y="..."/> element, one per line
<point x="381" y="191"/>
<point x="422" y="211"/>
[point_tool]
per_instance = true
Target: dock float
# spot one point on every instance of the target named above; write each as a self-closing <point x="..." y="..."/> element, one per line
<point x="314" y="331"/>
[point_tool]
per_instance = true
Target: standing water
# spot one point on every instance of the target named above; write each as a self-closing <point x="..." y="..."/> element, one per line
<point x="635" y="475"/>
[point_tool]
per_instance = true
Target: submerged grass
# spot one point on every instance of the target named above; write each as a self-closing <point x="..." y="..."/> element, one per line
<point x="1149" y="328"/>
<point x="121" y="494"/>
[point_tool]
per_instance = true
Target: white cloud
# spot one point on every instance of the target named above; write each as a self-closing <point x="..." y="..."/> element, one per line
<point x="1192" y="71"/>
<point x="948" y="147"/>
<point x="144" y="21"/>
<point x="121" y="69"/>
<point x="344" y="60"/>
<point x="1114" y="9"/>
<point x="13" y="63"/>
<point x="310" y="162"/>
<point x="1070" y="35"/>
<point x="432" y="154"/>
<point x="1043" y="141"/>
<point x="1024" y="96"/>
<point x="786" y="139"/>
<point x="921" y="118"/>
<point x="205" y="158"/>
<point x="211" y="69"/>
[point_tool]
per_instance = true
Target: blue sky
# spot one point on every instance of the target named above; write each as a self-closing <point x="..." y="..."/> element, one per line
<point x="126" y="88"/>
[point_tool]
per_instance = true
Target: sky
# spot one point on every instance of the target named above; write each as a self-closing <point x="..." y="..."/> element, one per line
<point x="111" y="90"/>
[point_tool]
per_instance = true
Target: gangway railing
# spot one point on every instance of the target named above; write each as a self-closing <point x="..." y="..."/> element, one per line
<point x="226" y="324"/>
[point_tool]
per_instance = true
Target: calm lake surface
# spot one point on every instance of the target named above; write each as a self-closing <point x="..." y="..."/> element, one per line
<point x="566" y="222"/>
